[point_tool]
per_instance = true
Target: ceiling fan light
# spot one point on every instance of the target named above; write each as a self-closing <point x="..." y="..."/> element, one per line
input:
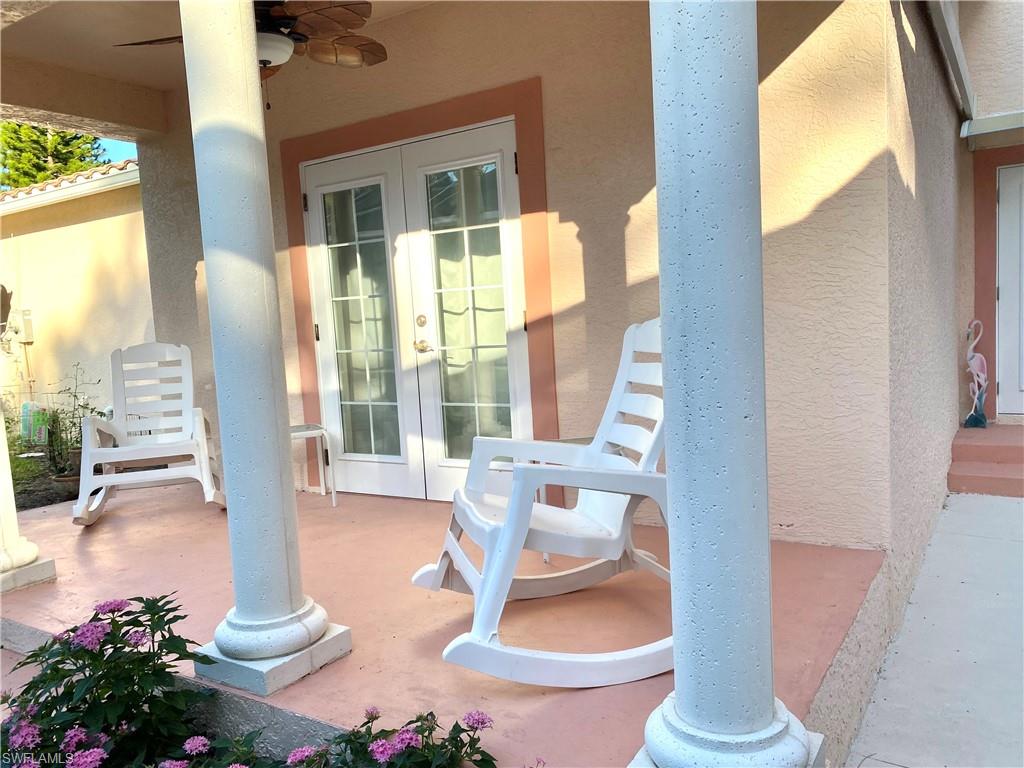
<point x="273" y="49"/>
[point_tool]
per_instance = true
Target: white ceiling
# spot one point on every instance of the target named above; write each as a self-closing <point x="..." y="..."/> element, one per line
<point x="82" y="35"/>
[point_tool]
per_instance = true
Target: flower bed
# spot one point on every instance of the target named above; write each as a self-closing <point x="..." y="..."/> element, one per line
<point x="105" y="697"/>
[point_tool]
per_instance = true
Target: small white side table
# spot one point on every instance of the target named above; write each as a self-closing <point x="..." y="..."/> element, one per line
<point x="318" y="433"/>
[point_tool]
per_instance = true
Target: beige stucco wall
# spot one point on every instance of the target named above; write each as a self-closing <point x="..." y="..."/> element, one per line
<point x="993" y="36"/>
<point x="928" y="228"/>
<point x="80" y="266"/>
<point x="822" y="101"/>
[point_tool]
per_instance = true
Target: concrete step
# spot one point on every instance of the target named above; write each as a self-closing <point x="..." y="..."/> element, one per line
<point x="988" y="478"/>
<point x="998" y="444"/>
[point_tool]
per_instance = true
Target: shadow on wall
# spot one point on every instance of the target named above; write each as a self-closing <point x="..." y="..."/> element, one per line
<point x="84" y="308"/>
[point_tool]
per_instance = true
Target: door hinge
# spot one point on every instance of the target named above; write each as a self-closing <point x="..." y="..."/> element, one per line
<point x="515" y="160"/>
<point x="316" y="331"/>
<point x="305" y="202"/>
<point x="327" y="458"/>
<point x="997" y="388"/>
<point x="997" y="293"/>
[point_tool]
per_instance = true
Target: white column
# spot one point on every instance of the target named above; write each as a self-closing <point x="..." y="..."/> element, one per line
<point x="19" y="558"/>
<point x="723" y="710"/>
<point x="271" y="616"/>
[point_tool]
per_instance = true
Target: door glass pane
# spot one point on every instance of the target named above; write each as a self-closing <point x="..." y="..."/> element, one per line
<point x="453" y="313"/>
<point x="364" y="331"/>
<point x="485" y="252"/>
<point x="452" y="268"/>
<point x="459" y="430"/>
<point x="457" y="376"/>
<point x="464" y="215"/>
<point x="444" y="200"/>
<point x="339" y="216"/>
<point x="481" y="190"/>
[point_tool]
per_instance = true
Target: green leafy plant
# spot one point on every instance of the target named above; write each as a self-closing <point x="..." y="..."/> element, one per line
<point x="420" y="743"/>
<point x="71" y="403"/>
<point x="104" y="697"/>
<point x="106" y="685"/>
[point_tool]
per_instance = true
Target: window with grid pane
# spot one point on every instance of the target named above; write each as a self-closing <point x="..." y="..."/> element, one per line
<point x="469" y="291"/>
<point x="361" y="299"/>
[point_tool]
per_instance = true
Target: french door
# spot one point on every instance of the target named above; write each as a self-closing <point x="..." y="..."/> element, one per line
<point x="417" y="282"/>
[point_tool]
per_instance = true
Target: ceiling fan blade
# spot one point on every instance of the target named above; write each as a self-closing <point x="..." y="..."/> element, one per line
<point x="268" y="72"/>
<point x="372" y="51"/>
<point x="325" y="18"/>
<point x="351" y="51"/>
<point x="154" y="41"/>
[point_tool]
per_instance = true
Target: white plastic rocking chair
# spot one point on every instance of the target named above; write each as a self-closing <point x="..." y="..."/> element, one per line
<point x="154" y="423"/>
<point x="614" y="473"/>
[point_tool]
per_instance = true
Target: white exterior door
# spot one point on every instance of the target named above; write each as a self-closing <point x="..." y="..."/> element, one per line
<point x="1010" y="305"/>
<point x="417" y="283"/>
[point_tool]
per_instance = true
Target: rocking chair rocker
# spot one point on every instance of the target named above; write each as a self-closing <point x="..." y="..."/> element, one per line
<point x="614" y="473"/>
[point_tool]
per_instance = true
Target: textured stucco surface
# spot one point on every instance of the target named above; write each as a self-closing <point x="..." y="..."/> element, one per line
<point x="80" y="267"/>
<point x="174" y="241"/>
<point x="927" y="172"/>
<point x="822" y="100"/>
<point x="993" y="36"/>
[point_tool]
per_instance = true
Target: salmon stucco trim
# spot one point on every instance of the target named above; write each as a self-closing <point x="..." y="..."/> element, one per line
<point x="521" y="100"/>
<point x="987" y="163"/>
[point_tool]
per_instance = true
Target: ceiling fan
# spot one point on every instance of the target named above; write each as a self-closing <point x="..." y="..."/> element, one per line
<point x="319" y="29"/>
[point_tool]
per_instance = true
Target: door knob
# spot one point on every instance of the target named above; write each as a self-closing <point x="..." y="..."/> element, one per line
<point x="422" y="346"/>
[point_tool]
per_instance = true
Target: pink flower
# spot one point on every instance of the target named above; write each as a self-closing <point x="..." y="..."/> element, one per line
<point x="406" y="737"/>
<point x="139" y="637"/>
<point x="477" y="720"/>
<point x="73" y="738"/>
<point x="112" y="606"/>
<point x="173" y="764"/>
<point x="90" y="758"/>
<point x="382" y="750"/>
<point x="372" y="713"/>
<point x="25" y="735"/>
<point x="197" y="745"/>
<point x="90" y="635"/>
<point x="300" y="755"/>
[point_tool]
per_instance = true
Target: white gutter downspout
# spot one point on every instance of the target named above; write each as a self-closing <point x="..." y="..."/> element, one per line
<point x="943" y="14"/>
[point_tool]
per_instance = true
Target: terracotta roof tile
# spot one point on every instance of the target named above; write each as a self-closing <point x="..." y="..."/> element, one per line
<point x="71" y="179"/>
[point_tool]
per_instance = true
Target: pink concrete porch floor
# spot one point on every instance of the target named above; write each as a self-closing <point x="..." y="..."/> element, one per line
<point x="357" y="561"/>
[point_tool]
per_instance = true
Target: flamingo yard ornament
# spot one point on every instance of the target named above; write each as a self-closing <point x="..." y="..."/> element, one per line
<point x="978" y="368"/>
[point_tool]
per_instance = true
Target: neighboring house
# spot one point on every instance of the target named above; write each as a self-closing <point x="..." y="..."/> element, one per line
<point x="73" y="253"/>
<point x="463" y="233"/>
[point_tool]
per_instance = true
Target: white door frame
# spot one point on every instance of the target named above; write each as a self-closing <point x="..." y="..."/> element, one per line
<point x="402" y="295"/>
<point x="367" y="473"/>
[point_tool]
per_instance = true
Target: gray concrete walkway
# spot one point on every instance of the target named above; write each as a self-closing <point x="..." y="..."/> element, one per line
<point x="951" y="690"/>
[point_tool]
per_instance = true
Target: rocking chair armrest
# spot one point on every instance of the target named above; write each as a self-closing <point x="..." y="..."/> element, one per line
<point x="94" y="428"/>
<point x="487" y="449"/>
<point x="531" y="477"/>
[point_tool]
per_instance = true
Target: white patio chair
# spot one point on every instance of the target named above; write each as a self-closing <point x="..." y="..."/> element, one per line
<point x="154" y="423"/>
<point x="614" y="473"/>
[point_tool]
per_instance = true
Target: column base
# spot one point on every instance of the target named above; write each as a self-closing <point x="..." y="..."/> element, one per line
<point x="36" y="572"/>
<point x="265" y="676"/>
<point x="238" y="638"/>
<point x="672" y="743"/>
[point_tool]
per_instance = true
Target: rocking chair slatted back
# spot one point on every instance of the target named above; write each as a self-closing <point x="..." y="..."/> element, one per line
<point x="630" y="435"/>
<point x="152" y="386"/>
